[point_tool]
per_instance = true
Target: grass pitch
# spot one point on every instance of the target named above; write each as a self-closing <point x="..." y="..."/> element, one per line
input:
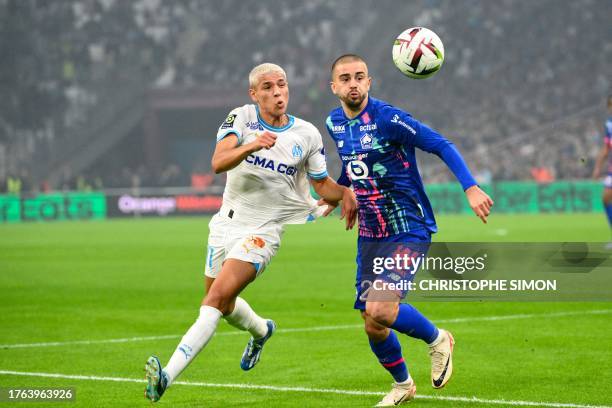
<point x="73" y="286"/>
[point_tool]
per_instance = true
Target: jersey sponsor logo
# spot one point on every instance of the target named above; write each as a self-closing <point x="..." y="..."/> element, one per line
<point x="396" y="119"/>
<point x="359" y="156"/>
<point x="269" y="164"/>
<point x="357" y="170"/>
<point x="297" y="151"/>
<point x="367" y="128"/>
<point x="229" y="121"/>
<point x="254" y="125"/>
<point x="338" y="129"/>
<point x="366" y="141"/>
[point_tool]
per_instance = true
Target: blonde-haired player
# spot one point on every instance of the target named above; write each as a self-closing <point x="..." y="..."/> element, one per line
<point x="271" y="158"/>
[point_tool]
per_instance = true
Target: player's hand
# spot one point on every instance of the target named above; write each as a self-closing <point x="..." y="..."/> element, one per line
<point x="264" y="141"/>
<point x="331" y="206"/>
<point x="349" y="208"/>
<point x="480" y="202"/>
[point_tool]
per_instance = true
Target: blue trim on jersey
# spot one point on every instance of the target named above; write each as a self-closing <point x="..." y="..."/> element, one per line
<point x="318" y="176"/>
<point x="257" y="266"/>
<point x="237" y="133"/>
<point x="211" y="252"/>
<point x="273" y="128"/>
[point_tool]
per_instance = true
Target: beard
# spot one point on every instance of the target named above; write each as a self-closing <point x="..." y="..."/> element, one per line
<point x="354" y="103"/>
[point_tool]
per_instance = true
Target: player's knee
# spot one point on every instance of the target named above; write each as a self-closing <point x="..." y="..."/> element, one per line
<point x="375" y="331"/>
<point x="217" y="300"/>
<point x="383" y="313"/>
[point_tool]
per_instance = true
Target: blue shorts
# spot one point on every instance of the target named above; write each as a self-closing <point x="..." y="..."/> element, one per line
<point x="374" y="269"/>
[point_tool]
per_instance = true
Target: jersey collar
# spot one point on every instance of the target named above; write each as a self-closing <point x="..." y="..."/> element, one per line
<point x="360" y="114"/>
<point x="274" y="128"/>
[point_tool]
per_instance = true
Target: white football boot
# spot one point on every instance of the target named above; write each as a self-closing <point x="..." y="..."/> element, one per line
<point x="399" y="394"/>
<point x="441" y="355"/>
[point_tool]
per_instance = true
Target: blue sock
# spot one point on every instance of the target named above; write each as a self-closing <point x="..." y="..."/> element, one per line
<point x="389" y="353"/>
<point x="411" y="322"/>
<point x="609" y="213"/>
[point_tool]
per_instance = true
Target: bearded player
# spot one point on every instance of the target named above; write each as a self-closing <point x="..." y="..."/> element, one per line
<point x="376" y="142"/>
<point x="270" y="157"/>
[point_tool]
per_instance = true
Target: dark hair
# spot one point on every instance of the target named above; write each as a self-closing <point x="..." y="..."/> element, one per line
<point x="346" y="58"/>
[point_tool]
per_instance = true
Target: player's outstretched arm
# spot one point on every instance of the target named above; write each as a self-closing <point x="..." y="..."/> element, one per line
<point x="331" y="193"/>
<point x="601" y="158"/>
<point x="228" y="155"/>
<point x="480" y="202"/>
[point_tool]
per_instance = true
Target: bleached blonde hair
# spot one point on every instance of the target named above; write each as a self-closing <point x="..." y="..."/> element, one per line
<point x="262" y="69"/>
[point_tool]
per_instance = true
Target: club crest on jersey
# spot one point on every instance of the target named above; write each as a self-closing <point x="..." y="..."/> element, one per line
<point x="297" y="151"/>
<point x="366" y="141"/>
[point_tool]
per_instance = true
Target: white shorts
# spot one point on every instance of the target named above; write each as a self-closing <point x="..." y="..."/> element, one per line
<point x="228" y="238"/>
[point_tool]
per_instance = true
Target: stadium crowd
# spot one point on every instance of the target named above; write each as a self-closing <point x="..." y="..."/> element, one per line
<point x="519" y="99"/>
<point x="518" y="95"/>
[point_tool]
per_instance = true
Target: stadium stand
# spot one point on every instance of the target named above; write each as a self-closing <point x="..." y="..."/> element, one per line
<point x="518" y="98"/>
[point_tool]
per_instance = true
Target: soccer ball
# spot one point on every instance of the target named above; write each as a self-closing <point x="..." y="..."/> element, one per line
<point x="418" y="52"/>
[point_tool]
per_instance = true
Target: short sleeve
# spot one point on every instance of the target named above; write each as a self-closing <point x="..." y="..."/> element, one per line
<point x="316" y="167"/>
<point x="234" y="123"/>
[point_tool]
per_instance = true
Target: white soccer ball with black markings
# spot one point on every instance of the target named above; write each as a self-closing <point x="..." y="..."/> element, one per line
<point x="418" y="52"/>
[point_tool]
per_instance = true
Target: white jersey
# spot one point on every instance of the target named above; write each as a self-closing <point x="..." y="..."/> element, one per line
<point x="271" y="186"/>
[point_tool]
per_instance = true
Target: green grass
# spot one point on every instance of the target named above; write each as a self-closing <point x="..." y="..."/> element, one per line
<point x="118" y="279"/>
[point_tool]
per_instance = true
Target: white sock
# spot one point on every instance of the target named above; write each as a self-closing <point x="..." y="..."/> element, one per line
<point x="193" y="341"/>
<point x="244" y="318"/>
<point x="405" y="382"/>
<point x="438" y="339"/>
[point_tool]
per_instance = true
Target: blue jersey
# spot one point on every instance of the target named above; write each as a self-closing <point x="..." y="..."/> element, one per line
<point x="377" y="149"/>
<point x="608" y="142"/>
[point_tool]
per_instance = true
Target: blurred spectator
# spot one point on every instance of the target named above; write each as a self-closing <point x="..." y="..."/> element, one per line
<point x="542" y="174"/>
<point x="519" y="90"/>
